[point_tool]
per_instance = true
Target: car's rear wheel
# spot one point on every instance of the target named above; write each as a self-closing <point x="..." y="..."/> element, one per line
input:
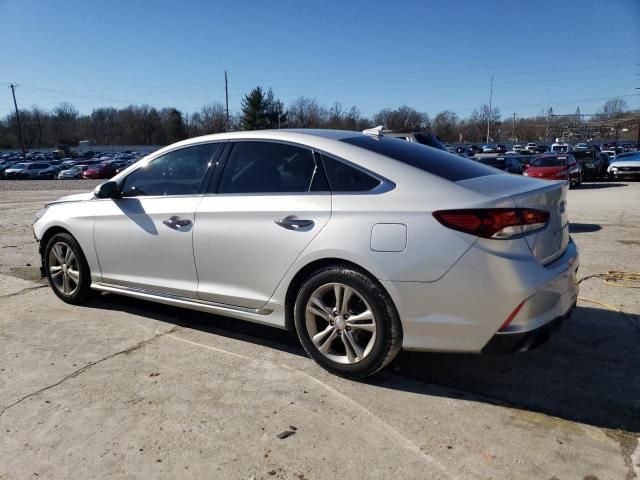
<point x="347" y="322"/>
<point x="67" y="269"/>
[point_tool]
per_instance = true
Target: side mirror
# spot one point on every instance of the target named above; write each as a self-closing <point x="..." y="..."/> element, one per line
<point x="107" y="190"/>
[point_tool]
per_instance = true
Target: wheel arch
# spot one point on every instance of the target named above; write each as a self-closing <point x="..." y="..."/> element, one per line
<point x="305" y="272"/>
<point x="46" y="236"/>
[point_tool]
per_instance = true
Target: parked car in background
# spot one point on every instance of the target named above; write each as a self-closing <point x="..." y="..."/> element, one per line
<point x="506" y="163"/>
<point x="465" y="151"/>
<point x="49" y="173"/>
<point x="541" y="149"/>
<point x="555" y="167"/>
<point x="501" y="149"/>
<point x="581" y="146"/>
<point x="531" y="147"/>
<point x="560" y="147"/>
<point x="268" y="243"/>
<point x="25" y="171"/>
<point x="99" y="171"/>
<point x="7" y="164"/>
<point x="628" y="154"/>
<point x="73" y="172"/>
<point x="629" y="167"/>
<point x="523" y="160"/>
<point x="517" y="147"/>
<point x="488" y="149"/>
<point x="593" y="165"/>
<point x="422" y="138"/>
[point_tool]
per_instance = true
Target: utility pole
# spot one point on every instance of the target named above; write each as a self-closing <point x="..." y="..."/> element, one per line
<point x="15" y="104"/>
<point x="226" y="97"/>
<point x="490" y="110"/>
<point x="513" y="129"/>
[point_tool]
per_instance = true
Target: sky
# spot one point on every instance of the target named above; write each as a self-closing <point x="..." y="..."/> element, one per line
<point x="431" y="55"/>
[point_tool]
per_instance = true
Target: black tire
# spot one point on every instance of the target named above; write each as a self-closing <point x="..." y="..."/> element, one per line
<point x="388" y="329"/>
<point x="82" y="289"/>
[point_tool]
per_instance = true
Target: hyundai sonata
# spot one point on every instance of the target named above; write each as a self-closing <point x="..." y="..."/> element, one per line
<point x="359" y="243"/>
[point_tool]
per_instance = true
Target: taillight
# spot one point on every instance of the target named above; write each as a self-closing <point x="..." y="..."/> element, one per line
<point x="498" y="223"/>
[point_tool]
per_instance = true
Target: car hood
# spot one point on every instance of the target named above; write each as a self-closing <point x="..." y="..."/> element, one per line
<point x="78" y="197"/>
<point x="544" y="170"/>
<point x="626" y="163"/>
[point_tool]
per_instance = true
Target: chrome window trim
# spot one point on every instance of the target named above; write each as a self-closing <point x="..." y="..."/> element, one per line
<point x="384" y="186"/>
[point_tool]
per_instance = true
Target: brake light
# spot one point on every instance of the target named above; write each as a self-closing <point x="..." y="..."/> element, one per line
<point x="497" y="223"/>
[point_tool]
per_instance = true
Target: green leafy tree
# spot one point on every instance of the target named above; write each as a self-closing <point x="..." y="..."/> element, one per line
<point x="254" y="110"/>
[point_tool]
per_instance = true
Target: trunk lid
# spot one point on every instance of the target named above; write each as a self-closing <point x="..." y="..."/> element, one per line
<point x="550" y="242"/>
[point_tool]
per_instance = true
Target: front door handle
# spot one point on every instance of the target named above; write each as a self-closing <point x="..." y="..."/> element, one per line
<point x="176" y="222"/>
<point x="293" y="223"/>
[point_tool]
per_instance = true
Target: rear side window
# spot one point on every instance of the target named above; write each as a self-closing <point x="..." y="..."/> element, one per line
<point x="431" y="160"/>
<point x="345" y="178"/>
<point x="268" y="167"/>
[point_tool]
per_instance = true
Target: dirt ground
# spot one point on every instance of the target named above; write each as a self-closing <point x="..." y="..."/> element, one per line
<point x="122" y="388"/>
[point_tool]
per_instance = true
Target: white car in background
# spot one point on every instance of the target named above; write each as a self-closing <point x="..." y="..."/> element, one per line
<point x="531" y="147"/>
<point x="628" y="167"/>
<point x="361" y="244"/>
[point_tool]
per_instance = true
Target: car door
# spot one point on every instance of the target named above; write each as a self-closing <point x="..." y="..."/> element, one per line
<point x="145" y="239"/>
<point x="266" y="205"/>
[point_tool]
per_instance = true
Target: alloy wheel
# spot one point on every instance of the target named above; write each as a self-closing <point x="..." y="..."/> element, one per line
<point x="340" y="323"/>
<point x="63" y="268"/>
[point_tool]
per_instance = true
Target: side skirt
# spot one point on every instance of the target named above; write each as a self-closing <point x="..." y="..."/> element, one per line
<point x="260" y="315"/>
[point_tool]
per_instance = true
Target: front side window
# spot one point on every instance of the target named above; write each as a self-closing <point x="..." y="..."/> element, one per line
<point x="175" y="173"/>
<point x="268" y="167"/>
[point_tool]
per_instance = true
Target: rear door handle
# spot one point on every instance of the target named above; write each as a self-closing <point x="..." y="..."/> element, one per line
<point x="176" y="222"/>
<point x="293" y="223"/>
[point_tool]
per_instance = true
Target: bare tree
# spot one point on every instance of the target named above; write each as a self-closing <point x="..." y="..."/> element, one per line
<point x="404" y="118"/>
<point x="444" y="125"/>
<point x="306" y="112"/>
<point x="613" y="108"/>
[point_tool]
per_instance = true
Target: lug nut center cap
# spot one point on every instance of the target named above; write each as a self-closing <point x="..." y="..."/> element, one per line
<point x="340" y="323"/>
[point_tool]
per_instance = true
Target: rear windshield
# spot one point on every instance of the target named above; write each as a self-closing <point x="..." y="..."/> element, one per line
<point x="494" y="162"/>
<point x="549" y="162"/>
<point x="431" y="160"/>
<point x="579" y="154"/>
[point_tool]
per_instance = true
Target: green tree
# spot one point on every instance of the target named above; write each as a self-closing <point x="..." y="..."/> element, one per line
<point x="254" y="110"/>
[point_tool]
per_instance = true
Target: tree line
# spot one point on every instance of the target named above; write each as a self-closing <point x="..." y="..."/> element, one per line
<point x="261" y="109"/>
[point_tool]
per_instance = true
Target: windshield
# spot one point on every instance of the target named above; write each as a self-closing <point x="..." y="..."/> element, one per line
<point x="20" y="165"/>
<point x="549" y="162"/>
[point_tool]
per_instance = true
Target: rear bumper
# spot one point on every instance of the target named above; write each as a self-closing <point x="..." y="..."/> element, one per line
<point x="464" y="310"/>
<point x="523" y="341"/>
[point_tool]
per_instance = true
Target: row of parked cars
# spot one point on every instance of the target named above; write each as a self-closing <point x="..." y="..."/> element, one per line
<point x="100" y="166"/>
<point x="575" y="166"/>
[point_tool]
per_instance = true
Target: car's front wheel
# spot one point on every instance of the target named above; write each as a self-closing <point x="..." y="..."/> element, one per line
<point x="347" y="322"/>
<point x="66" y="268"/>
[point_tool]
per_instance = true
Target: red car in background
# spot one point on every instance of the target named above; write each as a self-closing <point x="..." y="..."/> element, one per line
<point x="99" y="171"/>
<point x="555" y="167"/>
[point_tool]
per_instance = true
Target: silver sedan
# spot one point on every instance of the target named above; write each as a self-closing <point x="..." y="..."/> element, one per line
<point x="361" y="244"/>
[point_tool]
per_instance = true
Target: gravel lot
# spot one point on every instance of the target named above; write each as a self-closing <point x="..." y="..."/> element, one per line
<point x="122" y="388"/>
